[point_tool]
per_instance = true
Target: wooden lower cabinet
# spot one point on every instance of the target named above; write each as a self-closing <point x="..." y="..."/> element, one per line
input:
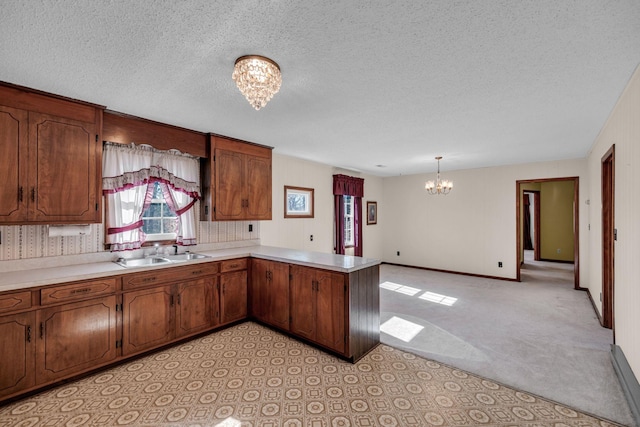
<point x="270" y="292"/>
<point x="17" y="353"/>
<point x="75" y="337"/>
<point x="194" y="306"/>
<point x="318" y="310"/>
<point x="233" y="296"/>
<point x="147" y="319"/>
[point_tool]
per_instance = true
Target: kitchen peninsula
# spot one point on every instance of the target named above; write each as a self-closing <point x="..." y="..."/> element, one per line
<point x="60" y="322"/>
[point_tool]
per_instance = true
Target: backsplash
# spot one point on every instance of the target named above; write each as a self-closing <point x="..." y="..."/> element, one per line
<point x="33" y="241"/>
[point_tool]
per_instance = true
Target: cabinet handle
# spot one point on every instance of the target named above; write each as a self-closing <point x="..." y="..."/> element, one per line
<point x="20" y="194"/>
<point x="41" y="330"/>
<point x="233" y="266"/>
<point x="171" y="301"/>
<point x="79" y="291"/>
<point x="179" y="303"/>
<point x="149" y="279"/>
<point x="33" y="194"/>
<point x="28" y="333"/>
<point x="196" y="272"/>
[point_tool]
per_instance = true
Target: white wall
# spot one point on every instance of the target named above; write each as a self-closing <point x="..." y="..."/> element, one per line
<point x="474" y="227"/>
<point x="622" y="129"/>
<point x="295" y="232"/>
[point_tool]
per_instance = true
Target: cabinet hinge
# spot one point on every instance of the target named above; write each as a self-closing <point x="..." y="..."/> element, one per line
<point x="118" y="343"/>
<point x="96" y="206"/>
<point x="96" y="138"/>
<point x="214" y="158"/>
<point x="214" y="208"/>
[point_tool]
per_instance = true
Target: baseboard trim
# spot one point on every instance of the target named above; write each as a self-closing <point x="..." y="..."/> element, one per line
<point x="593" y="304"/>
<point x="557" y="260"/>
<point x="452" y="272"/>
<point x="628" y="381"/>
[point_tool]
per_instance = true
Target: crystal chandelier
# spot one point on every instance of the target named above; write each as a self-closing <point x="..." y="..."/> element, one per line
<point x="443" y="186"/>
<point x="258" y="78"/>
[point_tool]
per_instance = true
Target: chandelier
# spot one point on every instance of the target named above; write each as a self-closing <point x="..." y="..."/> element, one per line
<point x="443" y="186"/>
<point x="258" y="78"/>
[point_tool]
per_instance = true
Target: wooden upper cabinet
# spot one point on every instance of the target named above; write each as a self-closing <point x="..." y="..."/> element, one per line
<point x="52" y="159"/>
<point x="236" y="181"/>
<point x="14" y="132"/>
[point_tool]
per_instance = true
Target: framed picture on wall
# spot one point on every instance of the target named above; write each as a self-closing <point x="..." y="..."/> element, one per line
<point x="298" y="202"/>
<point x="372" y="213"/>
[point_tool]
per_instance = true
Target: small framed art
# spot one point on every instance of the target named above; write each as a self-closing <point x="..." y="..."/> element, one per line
<point x="372" y="213"/>
<point x="298" y="202"/>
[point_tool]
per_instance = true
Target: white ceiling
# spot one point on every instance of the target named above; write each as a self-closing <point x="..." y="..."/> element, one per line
<point x="365" y="83"/>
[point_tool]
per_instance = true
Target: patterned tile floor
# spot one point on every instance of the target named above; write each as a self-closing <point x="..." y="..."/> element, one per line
<point x="249" y="375"/>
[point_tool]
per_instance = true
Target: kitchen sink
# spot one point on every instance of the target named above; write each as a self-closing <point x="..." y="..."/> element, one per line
<point x="158" y="260"/>
<point x="186" y="257"/>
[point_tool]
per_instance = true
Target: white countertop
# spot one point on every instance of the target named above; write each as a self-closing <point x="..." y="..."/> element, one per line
<point x="22" y="279"/>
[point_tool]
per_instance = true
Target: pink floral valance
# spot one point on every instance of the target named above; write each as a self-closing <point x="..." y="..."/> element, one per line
<point x="344" y="185"/>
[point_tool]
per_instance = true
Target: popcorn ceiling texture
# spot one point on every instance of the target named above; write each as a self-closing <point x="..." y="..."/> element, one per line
<point x="483" y="83"/>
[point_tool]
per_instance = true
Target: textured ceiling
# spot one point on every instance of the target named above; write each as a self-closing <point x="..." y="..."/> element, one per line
<point x="365" y="83"/>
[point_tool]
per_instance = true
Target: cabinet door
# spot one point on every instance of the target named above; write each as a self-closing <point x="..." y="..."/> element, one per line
<point x="193" y="306"/>
<point x="303" y="304"/>
<point x="258" y="188"/>
<point x="17" y="353"/>
<point x="229" y="193"/>
<point x="278" y="295"/>
<point x="259" y="285"/>
<point x="233" y="296"/>
<point x="330" y="310"/>
<point x="75" y="337"/>
<point x="63" y="157"/>
<point x="147" y="319"/>
<point x="14" y="139"/>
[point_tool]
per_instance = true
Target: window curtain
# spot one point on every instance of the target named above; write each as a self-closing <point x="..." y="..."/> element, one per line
<point x="344" y="185"/>
<point x="128" y="171"/>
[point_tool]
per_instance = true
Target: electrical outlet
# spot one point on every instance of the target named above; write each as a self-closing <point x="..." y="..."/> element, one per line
<point x="311" y="238"/>
<point x="398" y="253"/>
<point x="558" y="250"/>
<point x="250" y="228"/>
<point x="499" y="264"/>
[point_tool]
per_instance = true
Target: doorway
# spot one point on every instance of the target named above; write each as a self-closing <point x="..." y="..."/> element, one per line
<point x="608" y="237"/>
<point x="530" y="186"/>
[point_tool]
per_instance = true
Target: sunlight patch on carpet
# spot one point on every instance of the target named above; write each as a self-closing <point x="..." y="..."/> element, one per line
<point x="402" y="289"/>
<point x="400" y="328"/>
<point x="438" y="299"/>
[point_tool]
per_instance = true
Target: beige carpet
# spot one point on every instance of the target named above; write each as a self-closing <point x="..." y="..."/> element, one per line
<point x="249" y="375"/>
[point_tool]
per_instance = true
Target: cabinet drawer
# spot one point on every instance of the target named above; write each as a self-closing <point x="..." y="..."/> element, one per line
<point x="233" y="265"/>
<point x="77" y="291"/>
<point x="15" y="301"/>
<point x="169" y="275"/>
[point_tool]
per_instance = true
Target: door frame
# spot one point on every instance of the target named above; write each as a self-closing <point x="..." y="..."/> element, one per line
<point x="608" y="238"/>
<point x="536" y="222"/>
<point x="576" y="224"/>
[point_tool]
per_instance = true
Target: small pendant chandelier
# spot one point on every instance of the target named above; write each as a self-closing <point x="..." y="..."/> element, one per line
<point x="443" y="186"/>
<point x="258" y="78"/>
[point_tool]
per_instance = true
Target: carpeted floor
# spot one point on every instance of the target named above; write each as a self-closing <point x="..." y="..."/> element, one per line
<point x="249" y="375"/>
<point x="539" y="335"/>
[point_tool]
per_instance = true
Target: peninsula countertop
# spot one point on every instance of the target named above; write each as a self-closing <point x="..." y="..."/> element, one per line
<point x="33" y="277"/>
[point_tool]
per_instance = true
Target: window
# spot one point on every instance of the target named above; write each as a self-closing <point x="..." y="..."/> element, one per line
<point x="348" y="221"/>
<point x="159" y="221"/>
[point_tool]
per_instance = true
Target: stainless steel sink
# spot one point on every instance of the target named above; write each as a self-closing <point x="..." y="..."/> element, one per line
<point x="186" y="257"/>
<point x="158" y="260"/>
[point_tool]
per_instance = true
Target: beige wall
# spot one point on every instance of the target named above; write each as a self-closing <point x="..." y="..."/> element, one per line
<point x="556" y="220"/>
<point x="472" y="228"/>
<point x="295" y="232"/>
<point x="622" y="129"/>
